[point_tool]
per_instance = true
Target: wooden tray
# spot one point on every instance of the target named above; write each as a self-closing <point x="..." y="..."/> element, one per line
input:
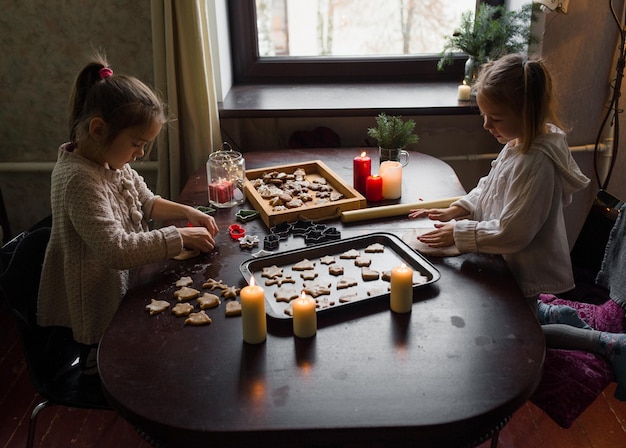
<point x="395" y="252"/>
<point x="310" y="211"/>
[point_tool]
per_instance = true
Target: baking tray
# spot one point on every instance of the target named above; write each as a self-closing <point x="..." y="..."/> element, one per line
<point x="310" y="211"/>
<point x="395" y="252"/>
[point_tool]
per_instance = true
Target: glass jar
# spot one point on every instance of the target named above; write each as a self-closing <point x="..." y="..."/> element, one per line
<point x="226" y="171"/>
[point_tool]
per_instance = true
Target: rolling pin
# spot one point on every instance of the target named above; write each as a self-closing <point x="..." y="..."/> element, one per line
<point x="386" y="211"/>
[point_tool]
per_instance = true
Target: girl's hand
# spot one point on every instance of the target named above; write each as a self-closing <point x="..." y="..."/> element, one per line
<point x="197" y="238"/>
<point x="442" y="236"/>
<point x="439" y="214"/>
<point x="200" y="219"/>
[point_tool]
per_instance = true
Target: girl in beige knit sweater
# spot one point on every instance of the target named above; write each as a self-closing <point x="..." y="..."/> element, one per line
<point x="101" y="207"/>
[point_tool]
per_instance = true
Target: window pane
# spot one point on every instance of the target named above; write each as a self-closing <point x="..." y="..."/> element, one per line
<point x="356" y="28"/>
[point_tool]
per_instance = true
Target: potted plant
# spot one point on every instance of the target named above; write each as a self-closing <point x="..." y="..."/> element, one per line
<point x="490" y="33"/>
<point x="392" y="132"/>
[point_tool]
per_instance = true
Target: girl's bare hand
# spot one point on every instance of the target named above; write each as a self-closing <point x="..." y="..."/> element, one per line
<point x="442" y="236"/>
<point x="200" y="219"/>
<point x="197" y="238"/>
<point x="439" y="214"/>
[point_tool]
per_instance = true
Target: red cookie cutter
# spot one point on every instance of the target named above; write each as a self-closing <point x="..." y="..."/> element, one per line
<point x="236" y="231"/>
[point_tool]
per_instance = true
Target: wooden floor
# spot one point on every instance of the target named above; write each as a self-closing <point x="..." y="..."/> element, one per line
<point x="603" y="425"/>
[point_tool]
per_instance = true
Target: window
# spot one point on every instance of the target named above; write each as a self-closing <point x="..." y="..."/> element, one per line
<point x="270" y="43"/>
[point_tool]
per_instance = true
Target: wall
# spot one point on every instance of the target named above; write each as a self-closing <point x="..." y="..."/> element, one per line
<point x="440" y="136"/>
<point x="43" y="45"/>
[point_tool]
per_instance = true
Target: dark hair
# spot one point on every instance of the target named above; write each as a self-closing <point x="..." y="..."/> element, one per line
<point x="121" y="101"/>
<point x="524" y="85"/>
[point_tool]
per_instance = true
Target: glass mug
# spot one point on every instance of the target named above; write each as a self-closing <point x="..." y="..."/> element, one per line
<point x="226" y="171"/>
<point x="393" y="155"/>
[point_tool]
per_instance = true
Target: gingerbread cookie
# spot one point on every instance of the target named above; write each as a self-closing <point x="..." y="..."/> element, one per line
<point x="350" y="255"/>
<point x="369" y="275"/>
<point x="279" y="281"/>
<point x="327" y="259"/>
<point x="375" y="248"/>
<point x="324" y="303"/>
<point x="185" y="293"/>
<point x="317" y="288"/>
<point x="186" y="254"/>
<point x="230" y="292"/>
<point x="272" y="272"/>
<point x="377" y="290"/>
<point x="184" y="281"/>
<point x="362" y="261"/>
<point x="213" y="284"/>
<point x="182" y="309"/>
<point x="335" y="270"/>
<point x="157" y="306"/>
<point x="233" y="309"/>
<point x="348" y="297"/>
<point x="197" y="319"/>
<point x="207" y="301"/>
<point x="309" y="275"/>
<point x="303" y="265"/>
<point x="346" y="282"/>
<point x="418" y="278"/>
<point x="286" y="294"/>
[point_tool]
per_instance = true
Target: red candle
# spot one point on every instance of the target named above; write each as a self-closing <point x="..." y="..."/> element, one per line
<point x="221" y="192"/>
<point x="374" y="188"/>
<point x="362" y="166"/>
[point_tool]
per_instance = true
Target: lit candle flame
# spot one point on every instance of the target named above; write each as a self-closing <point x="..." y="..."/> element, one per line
<point x="363" y="154"/>
<point x="303" y="296"/>
<point x="251" y="282"/>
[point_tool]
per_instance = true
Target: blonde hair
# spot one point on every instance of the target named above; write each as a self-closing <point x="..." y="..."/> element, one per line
<point x="121" y="101"/>
<point x="524" y="85"/>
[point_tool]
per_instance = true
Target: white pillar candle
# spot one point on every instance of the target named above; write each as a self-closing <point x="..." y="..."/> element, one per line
<point x="465" y="92"/>
<point x="304" y="317"/>
<point x="253" y="318"/>
<point x="401" y="300"/>
<point x="391" y="172"/>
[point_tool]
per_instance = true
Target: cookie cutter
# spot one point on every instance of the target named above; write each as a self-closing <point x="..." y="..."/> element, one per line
<point x="299" y="228"/>
<point x="270" y="242"/>
<point x="261" y="253"/>
<point x="321" y="234"/>
<point x="244" y="215"/>
<point x="249" y="241"/>
<point x="236" y="231"/>
<point x="205" y="209"/>
<point x="282" y="230"/>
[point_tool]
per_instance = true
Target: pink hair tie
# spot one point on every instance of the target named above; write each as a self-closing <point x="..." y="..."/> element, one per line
<point x="105" y="72"/>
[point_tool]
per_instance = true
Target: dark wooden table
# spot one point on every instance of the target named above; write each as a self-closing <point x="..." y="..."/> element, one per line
<point x="447" y="374"/>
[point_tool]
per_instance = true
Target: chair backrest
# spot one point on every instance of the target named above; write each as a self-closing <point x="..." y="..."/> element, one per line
<point x="19" y="282"/>
<point x="588" y="251"/>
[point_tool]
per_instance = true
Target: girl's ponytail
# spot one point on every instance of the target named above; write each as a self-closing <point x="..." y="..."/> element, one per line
<point x="85" y="81"/>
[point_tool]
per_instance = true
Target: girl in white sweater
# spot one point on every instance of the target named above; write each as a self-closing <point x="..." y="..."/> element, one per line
<point x="517" y="209"/>
<point x="101" y="207"/>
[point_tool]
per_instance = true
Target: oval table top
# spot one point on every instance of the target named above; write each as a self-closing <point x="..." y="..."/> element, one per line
<point x="449" y="373"/>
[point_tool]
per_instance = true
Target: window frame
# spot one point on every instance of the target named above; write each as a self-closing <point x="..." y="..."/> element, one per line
<point x="250" y="68"/>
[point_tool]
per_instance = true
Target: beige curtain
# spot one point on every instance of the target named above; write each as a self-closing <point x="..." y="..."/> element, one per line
<point x="184" y="76"/>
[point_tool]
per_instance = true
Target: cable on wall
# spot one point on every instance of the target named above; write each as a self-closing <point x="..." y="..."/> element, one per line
<point x="613" y="107"/>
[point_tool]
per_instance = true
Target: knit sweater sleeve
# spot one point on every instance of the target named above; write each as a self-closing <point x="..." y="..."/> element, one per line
<point x="99" y="212"/>
<point x="511" y="212"/>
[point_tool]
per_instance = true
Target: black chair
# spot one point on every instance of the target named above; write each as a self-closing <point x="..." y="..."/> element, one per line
<point x="51" y="353"/>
